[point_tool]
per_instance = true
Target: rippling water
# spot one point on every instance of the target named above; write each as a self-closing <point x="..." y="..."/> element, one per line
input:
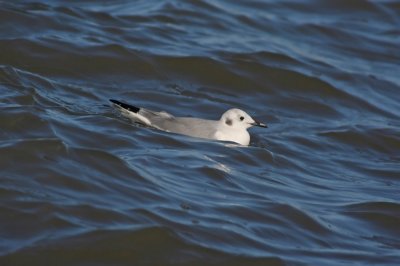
<point x="80" y="185"/>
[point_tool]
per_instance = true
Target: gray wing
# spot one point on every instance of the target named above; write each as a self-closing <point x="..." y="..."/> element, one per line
<point x="194" y="127"/>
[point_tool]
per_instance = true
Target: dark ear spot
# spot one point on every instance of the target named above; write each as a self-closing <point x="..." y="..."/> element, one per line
<point x="228" y="122"/>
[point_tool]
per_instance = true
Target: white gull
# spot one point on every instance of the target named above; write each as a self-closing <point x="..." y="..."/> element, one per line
<point x="232" y="126"/>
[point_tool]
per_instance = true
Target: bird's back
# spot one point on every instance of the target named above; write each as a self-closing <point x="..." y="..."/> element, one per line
<point x="194" y="127"/>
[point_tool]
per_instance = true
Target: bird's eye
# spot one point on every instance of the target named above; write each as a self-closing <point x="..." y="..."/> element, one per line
<point x="241" y="118"/>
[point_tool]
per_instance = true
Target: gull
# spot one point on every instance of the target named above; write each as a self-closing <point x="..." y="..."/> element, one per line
<point x="232" y="126"/>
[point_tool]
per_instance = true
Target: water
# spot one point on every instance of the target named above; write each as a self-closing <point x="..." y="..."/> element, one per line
<point x="80" y="185"/>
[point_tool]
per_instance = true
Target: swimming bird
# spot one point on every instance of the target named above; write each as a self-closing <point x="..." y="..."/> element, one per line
<point x="232" y="126"/>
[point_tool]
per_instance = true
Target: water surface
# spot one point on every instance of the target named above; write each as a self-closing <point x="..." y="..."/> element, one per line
<point x="81" y="185"/>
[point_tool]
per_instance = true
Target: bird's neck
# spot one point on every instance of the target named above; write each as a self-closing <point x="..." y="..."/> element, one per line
<point x="238" y="135"/>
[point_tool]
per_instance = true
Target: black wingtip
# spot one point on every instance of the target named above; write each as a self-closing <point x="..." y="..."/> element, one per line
<point x="125" y="106"/>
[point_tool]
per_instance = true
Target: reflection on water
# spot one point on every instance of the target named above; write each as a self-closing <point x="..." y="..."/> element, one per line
<point x="81" y="184"/>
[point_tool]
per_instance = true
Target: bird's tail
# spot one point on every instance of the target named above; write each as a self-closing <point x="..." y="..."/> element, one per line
<point x="131" y="112"/>
<point x="125" y="106"/>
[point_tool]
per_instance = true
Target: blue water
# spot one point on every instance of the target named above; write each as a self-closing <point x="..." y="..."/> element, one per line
<point x="81" y="185"/>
